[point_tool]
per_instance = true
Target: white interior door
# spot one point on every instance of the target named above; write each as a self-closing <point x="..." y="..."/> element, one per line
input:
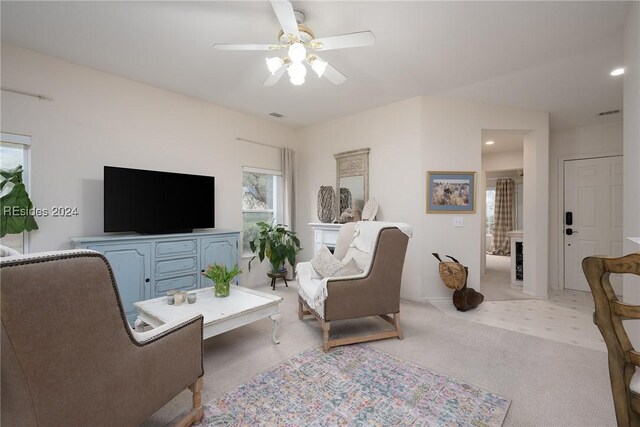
<point x="593" y="196"/>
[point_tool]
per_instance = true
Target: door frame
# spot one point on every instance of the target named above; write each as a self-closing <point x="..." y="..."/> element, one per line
<point x="560" y="212"/>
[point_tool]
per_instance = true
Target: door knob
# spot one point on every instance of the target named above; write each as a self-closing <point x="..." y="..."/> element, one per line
<point x="570" y="231"/>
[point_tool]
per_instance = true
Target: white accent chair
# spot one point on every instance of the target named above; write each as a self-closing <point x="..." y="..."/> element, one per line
<point x="379" y="250"/>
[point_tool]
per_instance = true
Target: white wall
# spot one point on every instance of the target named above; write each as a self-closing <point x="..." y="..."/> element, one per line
<point x="452" y="132"/>
<point x="407" y="139"/>
<point x="98" y="119"/>
<point x="591" y="140"/>
<point x="505" y="160"/>
<point x="395" y="178"/>
<point x="631" y="226"/>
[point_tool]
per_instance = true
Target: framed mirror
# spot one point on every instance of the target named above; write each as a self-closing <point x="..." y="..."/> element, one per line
<point x="352" y="183"/>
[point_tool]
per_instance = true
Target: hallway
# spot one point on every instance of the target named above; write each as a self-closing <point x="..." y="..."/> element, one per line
<point x="495" y="284"/>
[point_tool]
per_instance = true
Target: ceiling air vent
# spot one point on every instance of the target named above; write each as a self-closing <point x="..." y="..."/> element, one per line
<point x="278" y="115"/>
<point x="608" y="113"/>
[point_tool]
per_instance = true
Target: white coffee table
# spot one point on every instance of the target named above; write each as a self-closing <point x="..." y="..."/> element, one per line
<point x="241" y="307"/>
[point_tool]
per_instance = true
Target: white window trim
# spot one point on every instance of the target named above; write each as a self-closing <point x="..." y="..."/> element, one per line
<point x="14" y="138"/>
<point x="262" y="170"/>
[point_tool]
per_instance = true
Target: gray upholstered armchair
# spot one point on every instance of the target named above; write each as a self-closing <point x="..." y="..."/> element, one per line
<point x="69" y="356"/>
<point x="379" y="250"/>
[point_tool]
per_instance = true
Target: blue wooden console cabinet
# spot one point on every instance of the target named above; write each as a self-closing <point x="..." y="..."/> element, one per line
<point x="147" y="266"/>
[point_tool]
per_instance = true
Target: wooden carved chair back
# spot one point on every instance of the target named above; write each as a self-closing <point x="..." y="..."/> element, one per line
<point x="608" y="316"/>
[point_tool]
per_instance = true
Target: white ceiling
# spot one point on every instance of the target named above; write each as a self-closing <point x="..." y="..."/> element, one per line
<point x="550" y="56"/>
<point x="504" y="140"/>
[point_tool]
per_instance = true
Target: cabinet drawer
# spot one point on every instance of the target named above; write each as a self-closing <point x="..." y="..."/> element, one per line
<point x="173" y="266"/>
<point x="177" y="247"/>
<point x="183" y="283"/>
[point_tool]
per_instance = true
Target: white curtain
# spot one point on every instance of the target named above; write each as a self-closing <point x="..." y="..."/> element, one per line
<point x="288" y="186"/>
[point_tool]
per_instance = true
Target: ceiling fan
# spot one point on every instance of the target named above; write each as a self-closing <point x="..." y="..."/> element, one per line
<point x="301" y="45"/>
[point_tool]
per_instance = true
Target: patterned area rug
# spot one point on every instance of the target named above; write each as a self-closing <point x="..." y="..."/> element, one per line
<point x="352" y="386"/>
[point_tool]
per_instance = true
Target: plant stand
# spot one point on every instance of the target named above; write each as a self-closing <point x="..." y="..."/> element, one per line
<point x="278" y="275"/>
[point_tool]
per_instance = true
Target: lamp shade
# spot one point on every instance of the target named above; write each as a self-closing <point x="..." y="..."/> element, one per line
<point x="297" y="73"/>
<point x="319" y="66"/>
<point x="274" y="64"/>
<point x="297" y="52"/>
<point x="297" y="81"/>
<point x="297" y="70"/>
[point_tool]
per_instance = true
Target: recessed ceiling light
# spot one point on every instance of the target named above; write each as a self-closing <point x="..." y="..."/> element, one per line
<point x="617" y="72"/>
<point x="489" y="142"/>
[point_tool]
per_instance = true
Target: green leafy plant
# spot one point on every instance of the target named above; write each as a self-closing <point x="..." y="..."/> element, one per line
<point x="277" y="244"/>
<point x="16" y="207"/>
<point x="219" y="273"/>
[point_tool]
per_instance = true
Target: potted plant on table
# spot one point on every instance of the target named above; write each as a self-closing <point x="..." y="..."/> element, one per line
<point x="221" y="277"/>
<point x="277" y="244"/>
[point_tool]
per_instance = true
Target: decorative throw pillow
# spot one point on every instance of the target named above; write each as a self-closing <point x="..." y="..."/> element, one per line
<point x="348" y="269"/>
<point x="324" y="263"/>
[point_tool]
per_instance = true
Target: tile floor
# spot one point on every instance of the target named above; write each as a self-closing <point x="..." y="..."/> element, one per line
<point x="565" y="317"/>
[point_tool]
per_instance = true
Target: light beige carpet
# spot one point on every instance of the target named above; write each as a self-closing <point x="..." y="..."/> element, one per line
<point x="549" y="383"/>
<point x="494" y="284"/>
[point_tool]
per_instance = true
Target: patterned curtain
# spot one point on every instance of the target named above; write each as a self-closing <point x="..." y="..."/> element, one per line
<point x="503" y="219"/>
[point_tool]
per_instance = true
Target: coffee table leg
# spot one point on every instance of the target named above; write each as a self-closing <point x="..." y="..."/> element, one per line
<point x="139" y="326"/>
<point x="276" y="325"/>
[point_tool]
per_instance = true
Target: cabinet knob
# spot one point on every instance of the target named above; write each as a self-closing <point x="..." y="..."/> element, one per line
<point x="146" y="280"/>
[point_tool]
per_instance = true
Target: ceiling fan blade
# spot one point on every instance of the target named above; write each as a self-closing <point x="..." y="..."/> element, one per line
<point x="287" y="19"/>
<point x="334" y="76"/>
<point x="363" y="38"/>
<point x="222" y="46"/>
<point x="275" y="77"/>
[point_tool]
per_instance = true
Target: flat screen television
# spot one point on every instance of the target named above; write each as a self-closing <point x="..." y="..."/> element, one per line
<point x="148" y="202"/>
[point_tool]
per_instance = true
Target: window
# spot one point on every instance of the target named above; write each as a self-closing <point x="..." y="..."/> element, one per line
<point x="491" y="209"/>
<point x="14" y="151"/>
<point x="261" y="202"/>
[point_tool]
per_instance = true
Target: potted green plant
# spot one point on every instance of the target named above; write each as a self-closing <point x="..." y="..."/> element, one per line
<point x="221" y="277"/>
<point x="277" y="244"/>
<point x="16" y="214"/>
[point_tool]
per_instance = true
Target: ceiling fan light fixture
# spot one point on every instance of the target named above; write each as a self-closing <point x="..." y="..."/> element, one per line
<point x="274" y="64"/>
<point x="319" y="66"/>
<point x="297" y="72"/>
<point x="297" y="81"/>
<point x="296" y="43"/>
<point x="297" y="52"/>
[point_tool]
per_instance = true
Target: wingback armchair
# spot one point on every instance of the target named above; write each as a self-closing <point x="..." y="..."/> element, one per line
<point x="623" y="358"/>
<point x="374" y="292"/>
<point x="69" y="357"/>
